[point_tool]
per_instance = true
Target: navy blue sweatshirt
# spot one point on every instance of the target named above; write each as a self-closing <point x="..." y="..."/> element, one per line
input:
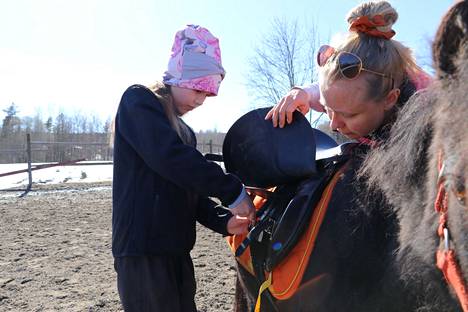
<point x="161" y="185"/>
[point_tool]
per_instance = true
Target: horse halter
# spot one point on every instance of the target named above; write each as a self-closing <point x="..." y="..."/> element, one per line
<point x="446" y="258"/>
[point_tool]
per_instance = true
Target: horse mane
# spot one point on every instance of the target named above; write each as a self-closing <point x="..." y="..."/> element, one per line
<point x="396" y="167"/>
<point x="405" y="170"/>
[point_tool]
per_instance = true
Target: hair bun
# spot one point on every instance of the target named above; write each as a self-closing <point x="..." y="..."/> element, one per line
<point x="374" y="19"/>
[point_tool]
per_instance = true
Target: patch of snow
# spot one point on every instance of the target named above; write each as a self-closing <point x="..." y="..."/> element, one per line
<point x="54" y="175"/>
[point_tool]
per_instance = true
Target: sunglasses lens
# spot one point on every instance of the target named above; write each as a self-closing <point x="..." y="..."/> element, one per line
<point x="324" y="54"/>
<point x="350" y="65"/>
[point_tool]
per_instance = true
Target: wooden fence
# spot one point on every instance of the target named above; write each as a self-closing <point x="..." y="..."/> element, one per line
<point x="71" y="154"/>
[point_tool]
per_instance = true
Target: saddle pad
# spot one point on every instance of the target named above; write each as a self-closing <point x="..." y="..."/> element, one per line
<point x="287" y="275"/>
<point x="294" y="219"/>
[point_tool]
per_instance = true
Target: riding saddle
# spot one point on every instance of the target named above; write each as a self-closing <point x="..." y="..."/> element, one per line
<point x="289" y="168"/>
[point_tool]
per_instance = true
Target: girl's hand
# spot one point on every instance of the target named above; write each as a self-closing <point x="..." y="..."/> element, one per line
<point x="245" y="209"/>
<point x="238" y="225"/>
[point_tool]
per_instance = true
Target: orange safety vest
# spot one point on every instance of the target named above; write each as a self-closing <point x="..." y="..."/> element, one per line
<point x="286" y="277"/>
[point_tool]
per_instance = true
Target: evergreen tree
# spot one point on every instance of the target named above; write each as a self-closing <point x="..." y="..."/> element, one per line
<point x="11" y="122"/>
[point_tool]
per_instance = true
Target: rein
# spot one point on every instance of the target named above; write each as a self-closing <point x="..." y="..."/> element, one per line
<point x="446" y="258"/>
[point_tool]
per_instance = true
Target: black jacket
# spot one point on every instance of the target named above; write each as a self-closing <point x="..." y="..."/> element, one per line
<point x="161" y="185"/>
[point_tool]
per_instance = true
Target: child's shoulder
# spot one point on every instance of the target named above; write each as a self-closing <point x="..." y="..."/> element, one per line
<point x="138" y="94"/>
<point x="138" y="89"/>
<point x="137" y="97"/>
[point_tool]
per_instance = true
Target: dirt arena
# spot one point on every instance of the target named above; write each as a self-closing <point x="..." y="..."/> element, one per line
<point x="55" y="253"/>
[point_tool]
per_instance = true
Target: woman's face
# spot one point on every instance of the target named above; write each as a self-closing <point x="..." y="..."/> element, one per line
<point x="350" y="111"/>
<point x="186" y="100"/>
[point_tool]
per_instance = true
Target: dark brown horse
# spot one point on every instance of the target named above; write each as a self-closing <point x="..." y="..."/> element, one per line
<point x="430" y="132"/>
<point x="376" y="248"/>
<point x="426" y="157"/>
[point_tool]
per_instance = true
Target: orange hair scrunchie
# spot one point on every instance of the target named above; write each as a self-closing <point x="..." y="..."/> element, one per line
<point x="370" y="26"/>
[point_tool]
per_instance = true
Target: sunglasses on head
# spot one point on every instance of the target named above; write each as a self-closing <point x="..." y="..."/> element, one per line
<point x="350" y="64"/>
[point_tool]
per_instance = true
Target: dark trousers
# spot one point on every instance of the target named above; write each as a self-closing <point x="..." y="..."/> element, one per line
<point x="156" y="283"/>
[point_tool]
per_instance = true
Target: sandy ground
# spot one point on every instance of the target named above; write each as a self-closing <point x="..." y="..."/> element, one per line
<point x="55" y="253"/>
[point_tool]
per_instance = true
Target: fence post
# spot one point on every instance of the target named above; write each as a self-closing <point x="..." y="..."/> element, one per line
<point x="28" y="149"/>
<point x="28" y="153"/>
<point x="211" y="146"/>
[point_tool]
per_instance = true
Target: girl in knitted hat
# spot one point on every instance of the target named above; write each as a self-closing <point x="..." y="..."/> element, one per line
<point x="162" y="184"/>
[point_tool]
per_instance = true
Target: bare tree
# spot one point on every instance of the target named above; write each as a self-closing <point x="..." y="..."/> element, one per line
<point x="282" y="60"/>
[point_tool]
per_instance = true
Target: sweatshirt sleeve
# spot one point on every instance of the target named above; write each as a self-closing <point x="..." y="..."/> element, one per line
<point x="313" y="93"/>
<point x="420" y="79"/>
<point x="213" y="216"/>
<point x="142" y="122"/>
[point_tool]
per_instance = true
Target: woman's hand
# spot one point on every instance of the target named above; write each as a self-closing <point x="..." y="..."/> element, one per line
<point x="238" y="225"/>
<point x="296" y="99"/>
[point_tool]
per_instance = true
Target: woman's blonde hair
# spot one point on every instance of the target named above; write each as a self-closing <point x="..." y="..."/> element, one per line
<point x="163" y="93"/>
<point x="386" y="56"/>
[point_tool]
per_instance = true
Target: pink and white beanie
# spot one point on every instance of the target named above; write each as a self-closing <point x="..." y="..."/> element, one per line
<point x="195" y="61"/>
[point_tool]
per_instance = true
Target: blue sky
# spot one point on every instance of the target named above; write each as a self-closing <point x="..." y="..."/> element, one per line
<point x="79" y="56"/>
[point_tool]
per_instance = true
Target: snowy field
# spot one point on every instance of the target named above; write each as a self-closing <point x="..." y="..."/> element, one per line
<point x="54" y="175"/>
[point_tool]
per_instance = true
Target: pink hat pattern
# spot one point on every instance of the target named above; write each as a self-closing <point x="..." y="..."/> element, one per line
<point x="195" y="39"/>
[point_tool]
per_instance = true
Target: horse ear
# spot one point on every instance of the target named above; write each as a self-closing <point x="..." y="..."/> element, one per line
<point x="391" y="99"/>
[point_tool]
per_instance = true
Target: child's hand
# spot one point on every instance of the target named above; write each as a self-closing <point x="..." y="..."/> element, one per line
<point x="245" y="209"/>
<point x="238" y="225"/>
